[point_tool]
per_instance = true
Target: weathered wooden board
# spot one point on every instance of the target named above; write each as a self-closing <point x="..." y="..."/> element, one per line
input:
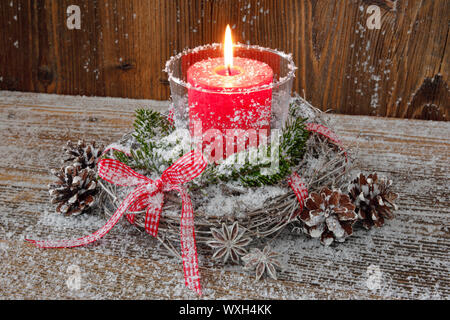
<point x="411" y="252"/>
<point x="400" y="70"/>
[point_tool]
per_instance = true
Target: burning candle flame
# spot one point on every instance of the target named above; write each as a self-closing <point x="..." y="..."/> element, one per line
<point x="228" y="49"/>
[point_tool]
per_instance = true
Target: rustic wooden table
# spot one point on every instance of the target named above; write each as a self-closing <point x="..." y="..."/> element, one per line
<point x="409" y="258"/>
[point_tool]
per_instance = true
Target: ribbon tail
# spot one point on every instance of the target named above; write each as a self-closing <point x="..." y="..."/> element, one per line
<point x="299" y="187"/>
<point x="154" y="214"/>
<point x="129" y="200"/>
<point x="188" y="244"/>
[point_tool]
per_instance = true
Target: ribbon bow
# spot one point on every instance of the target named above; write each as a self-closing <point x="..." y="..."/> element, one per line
<point x="150" y="194"/>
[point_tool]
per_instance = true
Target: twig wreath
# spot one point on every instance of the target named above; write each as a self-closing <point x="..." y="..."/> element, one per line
<point x="230" y="209"/>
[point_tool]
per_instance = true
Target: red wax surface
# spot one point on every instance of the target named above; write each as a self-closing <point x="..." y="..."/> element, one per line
<point x="230" y="102"/>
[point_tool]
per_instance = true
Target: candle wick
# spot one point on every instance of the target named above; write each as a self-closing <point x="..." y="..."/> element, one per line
<point x="229" y="70"/>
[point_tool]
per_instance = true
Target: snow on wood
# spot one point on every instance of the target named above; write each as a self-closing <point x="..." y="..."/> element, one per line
<point x="406" y="259"/>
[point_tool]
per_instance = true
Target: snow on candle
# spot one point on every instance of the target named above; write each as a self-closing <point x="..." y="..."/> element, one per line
<point x="228" y="94"/>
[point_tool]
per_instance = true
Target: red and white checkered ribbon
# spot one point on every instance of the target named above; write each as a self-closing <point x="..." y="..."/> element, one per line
<point x="171" y="116"/>
<point x="299" y="187"/>
<point x="295" y="181"/>
<point x="327" y="133"/>
<point x="149" y="195"/>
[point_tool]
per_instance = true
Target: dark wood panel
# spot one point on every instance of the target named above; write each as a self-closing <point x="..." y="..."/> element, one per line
<point x="400" y="70"/>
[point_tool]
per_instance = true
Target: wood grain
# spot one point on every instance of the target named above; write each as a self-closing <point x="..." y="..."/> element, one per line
<point x="401" y="70"/>
<point x="411" y="251"/>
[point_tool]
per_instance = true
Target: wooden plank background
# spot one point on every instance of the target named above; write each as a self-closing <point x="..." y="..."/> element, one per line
<point x="401" y="70"/>
<point x="411" y="251"/>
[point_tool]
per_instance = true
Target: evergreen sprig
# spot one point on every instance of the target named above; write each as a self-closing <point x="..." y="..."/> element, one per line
<point x="151" y="127"/>
<point x="292" y="147"/>
<point x="293" y="142"/>
<point x="150" y="124"/>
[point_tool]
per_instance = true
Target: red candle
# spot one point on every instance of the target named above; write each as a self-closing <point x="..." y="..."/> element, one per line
<point x="222" y="95"/>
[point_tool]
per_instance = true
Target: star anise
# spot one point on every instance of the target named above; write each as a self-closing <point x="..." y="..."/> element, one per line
<point x="229" y="241"/>
<point x="266" y="260"/>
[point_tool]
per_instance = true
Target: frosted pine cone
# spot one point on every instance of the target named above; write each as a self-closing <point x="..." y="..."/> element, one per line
<point x="373" y="198"/>
<point x="329" y="215"/>
<point x="75" y="190"/>
<point x="83" y="153"/>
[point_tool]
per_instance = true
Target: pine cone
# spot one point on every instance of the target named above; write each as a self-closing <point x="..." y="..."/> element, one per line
<point x="75" y="190"/>
<point x="329" y="215"/>
<point x="373" y="198"/>
<point x="83" y="153"/>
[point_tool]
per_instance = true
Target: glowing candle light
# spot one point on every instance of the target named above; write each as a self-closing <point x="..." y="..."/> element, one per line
<point x="228" y="50"/>
<point x="228" y="93"/>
